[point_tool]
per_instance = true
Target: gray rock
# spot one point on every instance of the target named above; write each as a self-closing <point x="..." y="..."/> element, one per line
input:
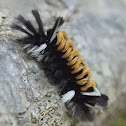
<point x="98" y="30"/>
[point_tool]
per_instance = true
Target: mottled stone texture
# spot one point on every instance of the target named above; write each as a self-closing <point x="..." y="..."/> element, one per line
<point x="98" y="29"/>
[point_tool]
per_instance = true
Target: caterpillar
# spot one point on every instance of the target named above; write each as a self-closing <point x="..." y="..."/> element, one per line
<point x="63" y="62"/>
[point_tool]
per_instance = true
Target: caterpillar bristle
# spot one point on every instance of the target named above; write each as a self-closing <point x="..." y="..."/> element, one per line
<point x="39" y="22"/>
<point x="28" y="25"/>
<point x="19" y="28"/>
<point x="59" y="22"/>
<point x="64" y="64"/>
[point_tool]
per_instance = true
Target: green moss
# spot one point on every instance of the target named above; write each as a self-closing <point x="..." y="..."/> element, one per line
<point x="120" y="122"/>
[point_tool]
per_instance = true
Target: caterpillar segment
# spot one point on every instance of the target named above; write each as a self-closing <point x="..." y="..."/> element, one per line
<point x="63" y="63"/>
<point x="74" y="61"/>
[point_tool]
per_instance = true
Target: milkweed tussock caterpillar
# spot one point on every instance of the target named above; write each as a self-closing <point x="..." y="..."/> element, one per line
<point x="64" y="64"/>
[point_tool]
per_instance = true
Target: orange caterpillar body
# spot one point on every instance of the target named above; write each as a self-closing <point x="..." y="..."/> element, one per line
<point x="75" y="61"/>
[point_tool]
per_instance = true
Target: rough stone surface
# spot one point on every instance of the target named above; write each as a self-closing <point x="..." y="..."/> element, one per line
<point x="98" y="29"/>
